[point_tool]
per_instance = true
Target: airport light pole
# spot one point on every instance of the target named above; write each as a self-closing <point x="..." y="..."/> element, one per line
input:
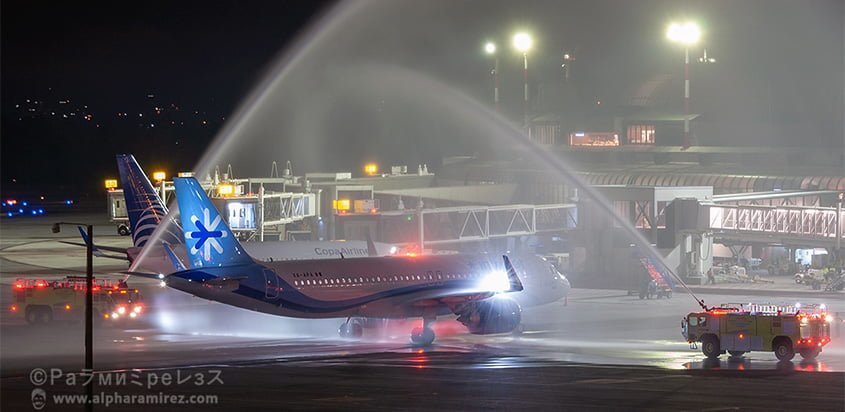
<point x="522" y="42"/>
<point x="89" y="307"/>
<point x="490" y="49"/>
<point x="686" y="34"/>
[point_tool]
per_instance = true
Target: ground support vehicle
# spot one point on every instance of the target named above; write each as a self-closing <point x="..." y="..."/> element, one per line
<point x="740" y="328"/>
<point x="41" y="301"/>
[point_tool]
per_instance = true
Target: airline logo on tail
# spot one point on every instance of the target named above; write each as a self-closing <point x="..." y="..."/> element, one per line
<point x="145" y="208"/>
<point x="207" y="235"/>
<point x="210" y="241"/>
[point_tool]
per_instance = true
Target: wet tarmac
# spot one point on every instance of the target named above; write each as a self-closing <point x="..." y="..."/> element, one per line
<point x="599" y="349"/>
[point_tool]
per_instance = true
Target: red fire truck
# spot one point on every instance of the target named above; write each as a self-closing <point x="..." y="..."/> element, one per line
<point x="741" y="328"/>
<point x="41" y="301"/>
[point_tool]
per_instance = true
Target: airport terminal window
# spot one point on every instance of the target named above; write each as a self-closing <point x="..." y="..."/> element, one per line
<point x="641" y="134"/>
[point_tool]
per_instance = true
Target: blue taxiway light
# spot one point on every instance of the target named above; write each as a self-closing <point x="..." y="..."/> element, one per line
<point x="9" y="214"/>
<point x="25" y="203"/>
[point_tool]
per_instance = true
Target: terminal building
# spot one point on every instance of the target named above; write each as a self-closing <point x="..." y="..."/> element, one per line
<point x="696" y="215"/>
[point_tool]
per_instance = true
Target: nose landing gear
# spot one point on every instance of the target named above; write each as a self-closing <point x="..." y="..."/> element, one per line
<point x="351" y="329"/>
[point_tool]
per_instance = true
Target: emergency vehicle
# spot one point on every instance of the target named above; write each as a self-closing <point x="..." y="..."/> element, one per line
<point x="741" y="328"/>
<point x="40" y="301"/>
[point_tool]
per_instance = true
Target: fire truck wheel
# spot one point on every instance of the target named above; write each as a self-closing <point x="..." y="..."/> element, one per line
<point x="736" y="353"/>
<point x="36" y="315"/>
<point x="810" y="354"/>
<point x="710" y="346"/>
<point x="783" y="349"/>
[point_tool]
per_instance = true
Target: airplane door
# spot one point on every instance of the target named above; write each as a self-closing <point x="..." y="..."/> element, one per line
<point x="271" y="284"/>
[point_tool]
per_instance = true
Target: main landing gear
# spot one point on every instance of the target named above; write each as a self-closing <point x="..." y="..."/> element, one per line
<point x="423" y="336"/>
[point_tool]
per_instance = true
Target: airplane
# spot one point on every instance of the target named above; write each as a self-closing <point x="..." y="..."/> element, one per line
<point x="543" y="283"/>
<point x="147" y="212"/>
<point x="473" y="287"/>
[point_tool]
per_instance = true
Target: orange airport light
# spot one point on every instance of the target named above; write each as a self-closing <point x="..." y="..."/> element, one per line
<point x="111" y="184"/>
<point x="159" y="176"/>
<point x="371" y="169"/>
<point x="341" y="205"/>
<point x="226" y="189"/>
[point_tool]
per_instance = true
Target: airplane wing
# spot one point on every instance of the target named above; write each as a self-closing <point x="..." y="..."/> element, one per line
<point x="97" y="249"/>
<point x="99" y="253"/>
<point x="156" y="276"/>
<point x="453" y="299"/>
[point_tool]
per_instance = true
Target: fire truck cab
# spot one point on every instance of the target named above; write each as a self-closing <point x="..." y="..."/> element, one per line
<point x="741" y="328"/>
<point x="41" y="301"/>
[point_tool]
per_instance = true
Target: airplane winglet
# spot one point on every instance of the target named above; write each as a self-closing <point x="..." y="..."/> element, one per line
<point x="371" y="246"/>
<point x="87" y="241"/>
<point x="513" y="279"/>
<point x="177" y="264"/>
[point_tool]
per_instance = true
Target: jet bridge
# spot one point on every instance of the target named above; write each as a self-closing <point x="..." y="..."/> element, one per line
<point x="449" y="225"/>
<point x="807" y="226"/>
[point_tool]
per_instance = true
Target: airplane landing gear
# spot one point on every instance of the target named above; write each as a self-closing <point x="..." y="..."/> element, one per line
<point x="423" y="336"/>
<point x="352" y="328"/>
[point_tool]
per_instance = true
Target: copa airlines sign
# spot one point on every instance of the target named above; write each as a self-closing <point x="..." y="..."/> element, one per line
<point x="337" y="251"/>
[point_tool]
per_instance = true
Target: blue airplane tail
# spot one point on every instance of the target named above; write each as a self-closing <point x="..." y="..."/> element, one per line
<point x="144" y="206"/>
<point x="208" y="239"/>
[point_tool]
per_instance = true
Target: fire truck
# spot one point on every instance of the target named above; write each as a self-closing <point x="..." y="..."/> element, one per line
<point x="741" y="328"/>
<point x="41" y="301"/>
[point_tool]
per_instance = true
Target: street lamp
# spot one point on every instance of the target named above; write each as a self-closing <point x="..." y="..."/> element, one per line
<point x="160" y="178"/>
<point x="490" y="49"/>
<point x="686" y="34"/>
<point x="522" y="42"/>
<point x="89" y="305"/>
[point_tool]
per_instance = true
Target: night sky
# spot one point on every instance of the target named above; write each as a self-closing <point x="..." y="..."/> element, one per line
<point x="179" y="69"/>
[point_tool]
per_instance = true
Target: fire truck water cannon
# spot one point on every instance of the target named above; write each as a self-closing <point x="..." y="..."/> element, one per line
<point x="737" y="328"/>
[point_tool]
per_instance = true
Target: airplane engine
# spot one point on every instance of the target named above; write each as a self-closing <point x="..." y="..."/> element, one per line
<point x="494" y="315"/>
